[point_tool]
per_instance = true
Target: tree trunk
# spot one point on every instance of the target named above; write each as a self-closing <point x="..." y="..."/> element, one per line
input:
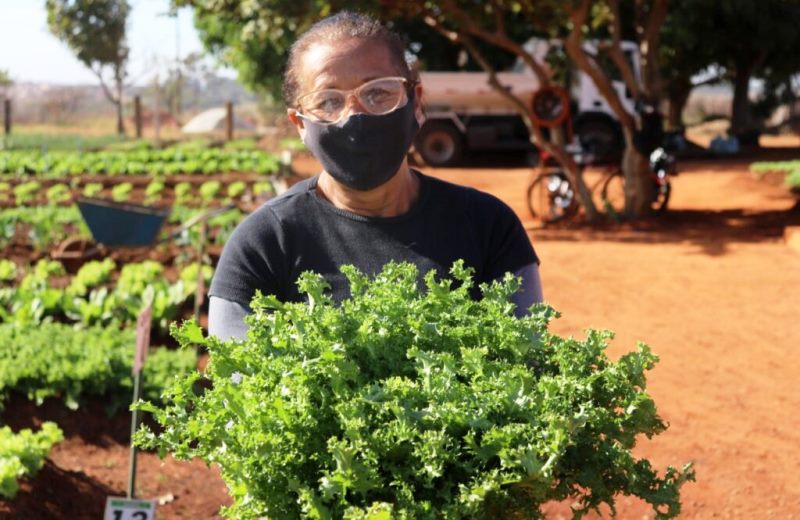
<point x="120" y="120"/>
<point x="741" y="118"/>
<point x="678" y="97"/>
<point x="639" y="184"/>
<point x="575" y="176"/>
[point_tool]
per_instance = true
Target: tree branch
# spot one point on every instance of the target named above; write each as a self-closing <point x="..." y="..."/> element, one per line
<point x="99" y="73"/>
<point x="499" y="39"/>
<point x="537" y="137"/>
<point x="574" y="47"/>
<point x="499" y="23"/>
<point x="649" y="42"/>
<point x="616" y="54"/>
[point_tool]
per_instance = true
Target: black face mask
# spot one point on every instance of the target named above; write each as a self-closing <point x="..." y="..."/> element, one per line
<point x="364" y="151"/>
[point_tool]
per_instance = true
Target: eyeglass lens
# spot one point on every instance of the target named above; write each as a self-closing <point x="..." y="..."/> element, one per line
<point x="377" y="97"/>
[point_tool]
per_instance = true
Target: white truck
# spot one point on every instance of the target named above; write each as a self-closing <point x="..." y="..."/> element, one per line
<point x="464" y="113"/>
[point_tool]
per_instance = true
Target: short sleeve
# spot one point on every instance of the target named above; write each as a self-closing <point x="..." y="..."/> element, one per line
<point x="252" y="259"/>
<point x="509" y="249"/>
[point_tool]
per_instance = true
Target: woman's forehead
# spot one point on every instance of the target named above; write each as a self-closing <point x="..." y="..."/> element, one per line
<point x="345" y="64"/>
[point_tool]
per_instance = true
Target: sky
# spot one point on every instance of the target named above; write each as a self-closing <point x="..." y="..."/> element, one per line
<point x="28" y="52"/>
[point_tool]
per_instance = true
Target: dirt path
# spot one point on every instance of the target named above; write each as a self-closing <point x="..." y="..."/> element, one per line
<point x="714" y="292"/>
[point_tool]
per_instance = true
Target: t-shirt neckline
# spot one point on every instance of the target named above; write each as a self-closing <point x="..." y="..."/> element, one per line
<point x="416" y="207"/>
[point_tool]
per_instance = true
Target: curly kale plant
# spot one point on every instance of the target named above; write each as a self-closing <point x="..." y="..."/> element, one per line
<point x="402" y="403"/>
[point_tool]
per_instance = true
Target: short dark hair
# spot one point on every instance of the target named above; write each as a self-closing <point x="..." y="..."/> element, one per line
<point x="338" y="27"/>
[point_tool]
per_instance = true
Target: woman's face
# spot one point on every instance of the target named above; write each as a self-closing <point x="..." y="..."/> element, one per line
<point x="346" y="65"/>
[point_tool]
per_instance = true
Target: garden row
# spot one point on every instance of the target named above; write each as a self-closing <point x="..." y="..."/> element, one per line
<point x="97" y="294"/>
<point x="157" y="191"/>
<point x="169" y="161"/>
<point x="43" y="227"/>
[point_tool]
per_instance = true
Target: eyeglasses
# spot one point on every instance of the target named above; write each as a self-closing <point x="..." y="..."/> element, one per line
<point x="377" y="97"/>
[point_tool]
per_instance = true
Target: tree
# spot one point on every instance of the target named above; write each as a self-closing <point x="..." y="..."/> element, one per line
<point x="95" y="31"/>
<point x="742" y="40"/>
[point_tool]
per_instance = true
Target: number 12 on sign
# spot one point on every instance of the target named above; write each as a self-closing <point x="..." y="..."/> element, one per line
<point x="126" y="509"/>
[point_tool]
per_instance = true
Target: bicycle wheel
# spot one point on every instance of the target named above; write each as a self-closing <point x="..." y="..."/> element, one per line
<point x="661" y="196"/>
<point x="613" y="194"/>
<point x="551" y="197"/>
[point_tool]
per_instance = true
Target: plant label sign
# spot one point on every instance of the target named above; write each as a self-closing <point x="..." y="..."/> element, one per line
<point x="129" y="509"/>
<point x="142" y="338"/>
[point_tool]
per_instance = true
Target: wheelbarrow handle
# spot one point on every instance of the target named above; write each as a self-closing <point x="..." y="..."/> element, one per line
<point x="201" y="217"/>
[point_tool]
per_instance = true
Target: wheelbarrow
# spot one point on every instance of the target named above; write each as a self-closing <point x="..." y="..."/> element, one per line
<point x="117" y="224"/>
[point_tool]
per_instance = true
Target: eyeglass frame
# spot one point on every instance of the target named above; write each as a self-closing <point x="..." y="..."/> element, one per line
<point x="409" y="85"/>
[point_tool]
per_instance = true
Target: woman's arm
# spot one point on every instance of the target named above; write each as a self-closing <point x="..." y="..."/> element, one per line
<point x="531" y="290"/>
<point x="226" y="319"/>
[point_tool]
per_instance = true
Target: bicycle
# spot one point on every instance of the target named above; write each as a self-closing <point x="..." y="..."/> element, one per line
<point x="661" y="165"/>
<point x="551" y="197"/>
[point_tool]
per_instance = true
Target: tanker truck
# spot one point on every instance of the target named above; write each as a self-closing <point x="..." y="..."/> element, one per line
<point x="465" y="114"/>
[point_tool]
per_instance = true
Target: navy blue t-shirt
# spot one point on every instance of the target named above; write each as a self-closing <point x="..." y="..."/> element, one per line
<point x="301" y="231"/>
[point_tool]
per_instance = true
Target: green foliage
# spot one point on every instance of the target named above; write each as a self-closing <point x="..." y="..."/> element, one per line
<point x="236" y="189"/>
<point x="209" y="191"/>
<point x="121" y="192"/>
<point x="703" y="33"/>
<point x="154" y="191"/>
<point x="55" y="359"/>
<point x="95" y="32"/>
<point x="8" y="270"/>
<point x="92" y="189"/>
<point x="91" y="275"/>
<point x="89" y="299"/>
<point x="26" y="192"/>
<point x="43" y="225"/>
<point x="402" y="403"/>
<point x="775" y="166"/>
<point x="791" y="168"/>
<point x="793" y="179"/>
<point x="45" y="142"/>
<point x="22" y="454"/>
<point x="263" y="188"/>
<point x="93" y="29"/>
<point x="58" y="194"/>
<point x="170" y="161"/>
<point x="5" y="81"/>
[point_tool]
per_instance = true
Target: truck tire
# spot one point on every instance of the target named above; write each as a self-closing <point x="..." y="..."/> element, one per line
<point x="600" y="137"/>
<point x="439" y="143"/>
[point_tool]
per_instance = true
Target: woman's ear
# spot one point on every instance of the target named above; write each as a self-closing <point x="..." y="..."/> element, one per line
<point x="296" y="121"/>
<point x="419" y="111"/>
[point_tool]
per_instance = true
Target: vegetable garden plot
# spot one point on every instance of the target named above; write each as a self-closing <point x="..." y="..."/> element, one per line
<point x="87" y="353"/>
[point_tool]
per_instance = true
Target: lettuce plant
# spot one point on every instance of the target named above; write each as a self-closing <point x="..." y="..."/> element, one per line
<point x="415" y="404"/>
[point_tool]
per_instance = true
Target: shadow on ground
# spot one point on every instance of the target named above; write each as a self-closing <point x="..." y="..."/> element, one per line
<point x="711" y="231"/>
<point x="59" y="493"/>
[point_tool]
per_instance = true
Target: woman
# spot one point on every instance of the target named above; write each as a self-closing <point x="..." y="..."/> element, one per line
<point x="356" y="104"/>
